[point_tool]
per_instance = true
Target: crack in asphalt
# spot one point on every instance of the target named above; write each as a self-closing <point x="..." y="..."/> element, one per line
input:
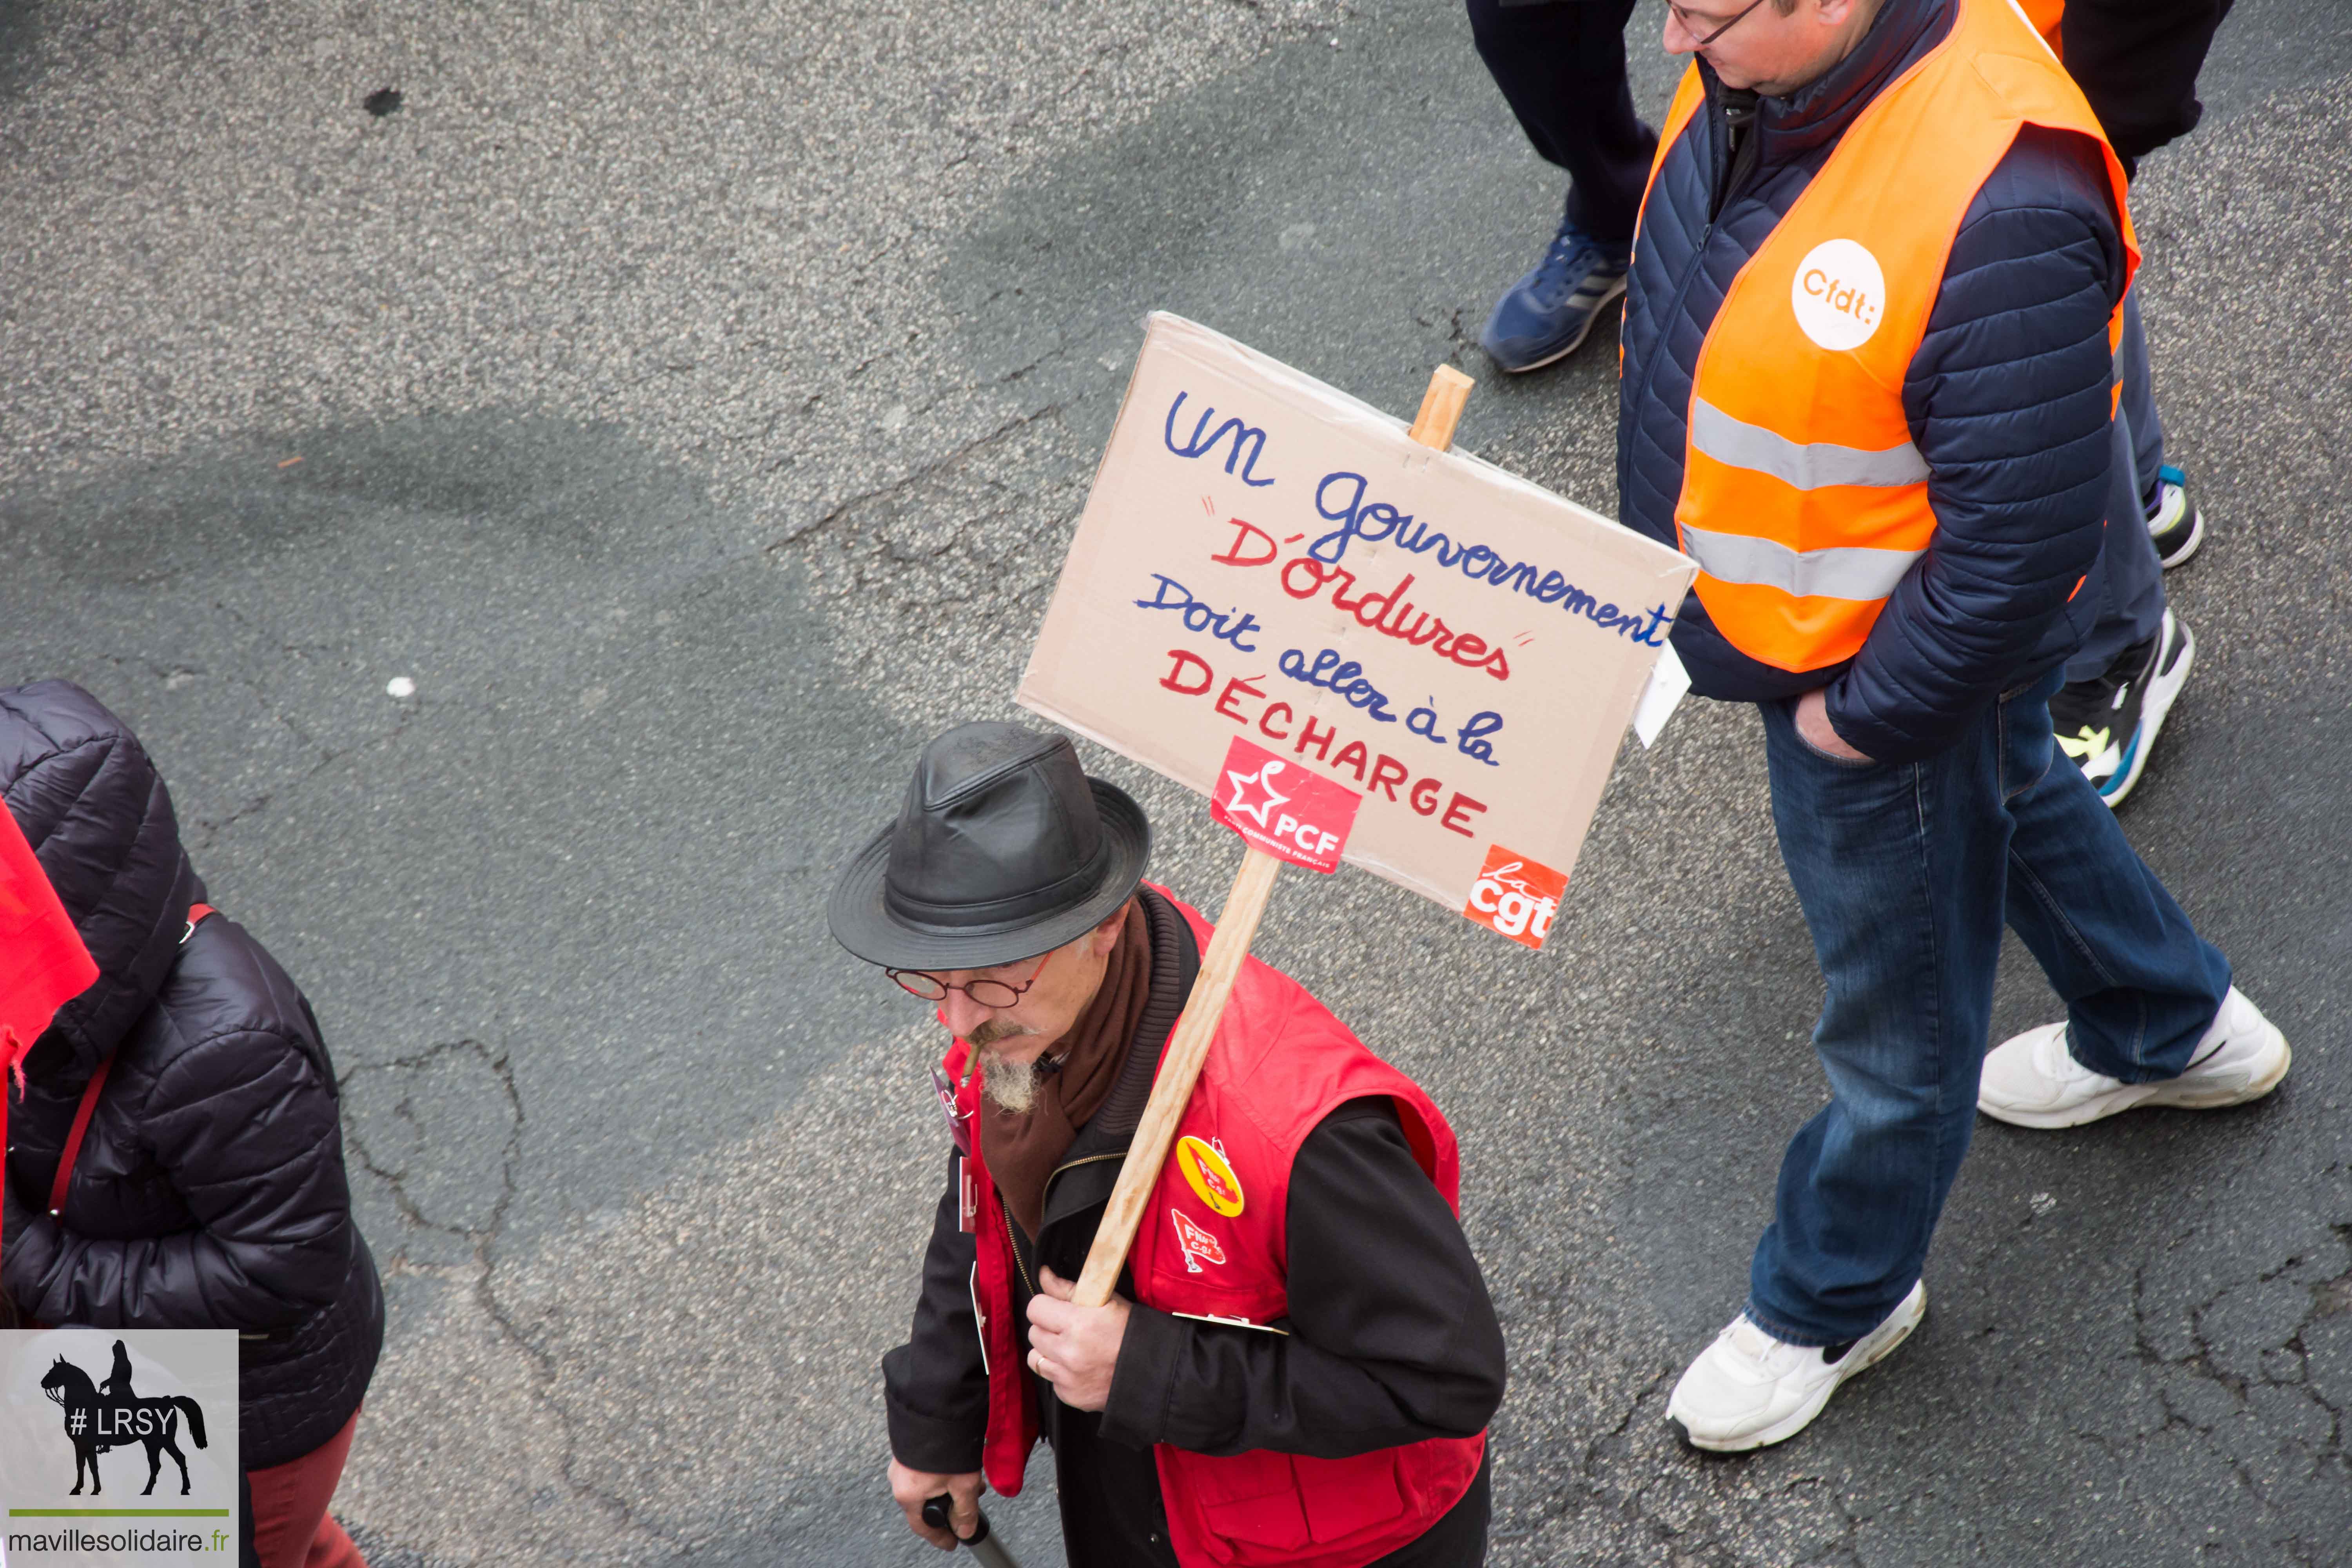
<point x="481" y="1240"/>
<point x="211" y="828"/>
<point x="2204" y="1364"/>
<point x="1668" y="1503"/>
<point x="881" y="495"/>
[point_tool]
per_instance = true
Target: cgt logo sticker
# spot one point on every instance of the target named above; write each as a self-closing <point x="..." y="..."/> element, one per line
<point x="1516" y="896"/>
<point x="1283" y="809"/>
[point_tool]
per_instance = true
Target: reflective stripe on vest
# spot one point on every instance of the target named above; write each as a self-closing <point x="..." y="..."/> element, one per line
<point x="1812" y="466"/>
<point x="1805" y="499"/>
<point x="2043" y="17"/>
<point x="1844" y="572"/>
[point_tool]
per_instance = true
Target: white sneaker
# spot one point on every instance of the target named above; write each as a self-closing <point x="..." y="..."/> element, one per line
<point x="2033" y="1080"/>
<point x="1749" y="1389"/>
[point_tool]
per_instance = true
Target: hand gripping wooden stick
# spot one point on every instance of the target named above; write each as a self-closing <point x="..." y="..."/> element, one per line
<point x="1180" y="1065"/>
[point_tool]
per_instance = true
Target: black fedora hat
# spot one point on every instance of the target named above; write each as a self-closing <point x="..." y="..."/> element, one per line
<point x="1003" y="849"/>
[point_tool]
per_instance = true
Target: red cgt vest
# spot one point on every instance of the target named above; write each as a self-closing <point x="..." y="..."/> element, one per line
<point x="1214" y="1244"/>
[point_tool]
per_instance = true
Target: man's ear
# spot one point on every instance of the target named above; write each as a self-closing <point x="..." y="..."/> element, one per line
<point x="1105" y="937"/>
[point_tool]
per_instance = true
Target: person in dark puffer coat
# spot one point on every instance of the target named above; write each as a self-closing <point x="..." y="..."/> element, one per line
<point x="210" y="1189"/>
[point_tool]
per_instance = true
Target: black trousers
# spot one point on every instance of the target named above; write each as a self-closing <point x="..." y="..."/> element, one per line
<point x="1561" y="66"/>
<point x="2136" y="62"/>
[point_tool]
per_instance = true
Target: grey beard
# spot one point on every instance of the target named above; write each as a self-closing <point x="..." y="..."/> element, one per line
<point x="1011" y="1085"/>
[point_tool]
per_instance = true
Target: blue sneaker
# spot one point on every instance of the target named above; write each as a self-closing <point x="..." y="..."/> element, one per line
<point x="2175" y="521"/>
<point x="1548" y="314"/>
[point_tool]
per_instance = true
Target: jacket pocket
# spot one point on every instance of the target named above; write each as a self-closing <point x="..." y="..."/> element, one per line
<point x="1342" y="1497"/>
<point x="1255" y="1505"/>
<point x="1267" y="1507"/>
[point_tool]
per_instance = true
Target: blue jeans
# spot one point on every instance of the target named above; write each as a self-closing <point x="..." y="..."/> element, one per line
<point x="1905" y="873"/>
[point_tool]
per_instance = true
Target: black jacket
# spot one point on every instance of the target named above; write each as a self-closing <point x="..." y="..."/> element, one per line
<point x="1392" y="1337"/>
<point x="210" y="1190"/>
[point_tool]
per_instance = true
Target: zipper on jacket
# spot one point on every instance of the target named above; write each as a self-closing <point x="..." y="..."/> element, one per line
<point x="1013" y="1240"/>
<point x="1743" y="114"/>
<point x="1074" y="1164"/>
<point x="1004" y="1216"/>
<point x="1691" y="271"/>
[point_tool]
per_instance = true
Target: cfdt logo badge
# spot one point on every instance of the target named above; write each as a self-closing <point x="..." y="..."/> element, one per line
<point x="1282" y="808"/>
<point x="1516" y="896"/>
<point x="119" y="1446"/>
<point x="1839" y="294"/>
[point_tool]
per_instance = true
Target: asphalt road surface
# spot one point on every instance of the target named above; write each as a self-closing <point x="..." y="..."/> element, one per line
<point x="690" y="402"/>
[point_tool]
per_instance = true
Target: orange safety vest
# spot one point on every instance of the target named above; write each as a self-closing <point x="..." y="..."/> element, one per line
<point x="2045" y="14"/>
<point x="1804" y="501"/>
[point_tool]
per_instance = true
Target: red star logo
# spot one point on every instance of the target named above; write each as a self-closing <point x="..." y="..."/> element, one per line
<point x="1263" y="781"/>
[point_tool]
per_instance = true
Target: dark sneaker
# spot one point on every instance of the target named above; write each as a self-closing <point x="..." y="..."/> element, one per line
<point x="1548" y="314"/>
<point x="2176" y="522"/>
<point x="2108" y="724"/>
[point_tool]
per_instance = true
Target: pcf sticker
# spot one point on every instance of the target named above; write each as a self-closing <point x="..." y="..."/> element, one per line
<point x="1211" y="1174"/>
<point x="1839" y="294"/>
<point x="1280" y="807"/>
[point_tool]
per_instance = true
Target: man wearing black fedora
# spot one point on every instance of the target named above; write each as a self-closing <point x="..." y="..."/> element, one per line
<point x="1301" y="1360"/>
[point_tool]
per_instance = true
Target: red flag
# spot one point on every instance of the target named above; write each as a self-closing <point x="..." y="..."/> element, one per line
<point x="43" y="963"/>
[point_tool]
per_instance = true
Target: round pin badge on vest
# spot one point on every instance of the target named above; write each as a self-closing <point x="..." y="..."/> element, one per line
<point x="1210" y="1174"/>
<point x="983" y="1545"/>
<point x="1839" y="294"/>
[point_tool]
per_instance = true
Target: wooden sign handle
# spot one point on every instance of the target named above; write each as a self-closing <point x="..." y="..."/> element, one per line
<point x="1441" y="408"/>
<point x="1188" y="1047"/>
<point x="1179" y="1065"/>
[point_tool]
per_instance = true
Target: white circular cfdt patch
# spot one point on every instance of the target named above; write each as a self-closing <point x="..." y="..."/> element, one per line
<point x="1839" y="294"/>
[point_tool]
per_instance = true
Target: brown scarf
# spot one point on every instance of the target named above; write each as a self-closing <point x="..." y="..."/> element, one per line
<point x="1023" y="1150"/>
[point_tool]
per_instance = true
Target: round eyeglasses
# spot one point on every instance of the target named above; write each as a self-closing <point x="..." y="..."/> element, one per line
<point x="984" y="991"/>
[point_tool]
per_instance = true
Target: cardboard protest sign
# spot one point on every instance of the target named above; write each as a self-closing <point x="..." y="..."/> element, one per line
<point x="1266" y="560"/>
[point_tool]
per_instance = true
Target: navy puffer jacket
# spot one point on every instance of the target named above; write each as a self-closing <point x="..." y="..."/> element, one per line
<point x="210" y="1190"/>
<point x="2007" y="398"/>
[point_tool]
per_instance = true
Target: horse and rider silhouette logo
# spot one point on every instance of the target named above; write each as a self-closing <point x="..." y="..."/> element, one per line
<point x="99" y="1417"/>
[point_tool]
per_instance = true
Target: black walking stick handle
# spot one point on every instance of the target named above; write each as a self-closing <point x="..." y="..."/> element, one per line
<point x="937" y="1513"/>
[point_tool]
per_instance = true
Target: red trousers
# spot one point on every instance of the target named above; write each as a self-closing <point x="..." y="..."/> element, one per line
<point x="291" y="1526"/>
